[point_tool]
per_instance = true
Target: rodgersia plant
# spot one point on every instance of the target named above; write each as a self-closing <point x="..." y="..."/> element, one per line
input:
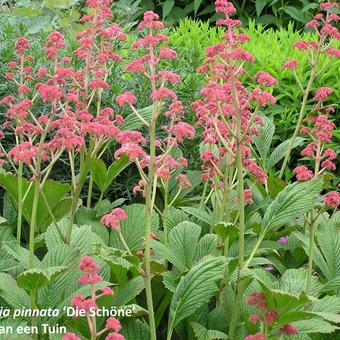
<point x="72" y="122"/>
<point x="76" y="123"/>
<point x="153" y="157"/>
<point x="319" y="130"/>
<point x="230" y="115"/>
<point x="189" y="275"/>
<point x="323" y="25"/>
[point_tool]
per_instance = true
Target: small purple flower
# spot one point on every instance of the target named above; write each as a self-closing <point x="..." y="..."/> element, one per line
<point x="269" y="268"/>
<point x="283" y="240"/>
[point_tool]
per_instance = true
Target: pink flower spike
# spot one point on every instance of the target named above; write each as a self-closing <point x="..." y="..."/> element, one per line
<point x="257" y="336"/>
<point x="126" y="98"/>
<point x="113" y="219"/>
<point x="303" y="173"/>
<point x="88" y="265"/>
<point x="114" y="336"/>
<point x="290" y="64"/>
<point x="322" y="93"/>
<point x="70" y="336"/>
<point x="332" y="199"/>
<point x="113" y="324"/>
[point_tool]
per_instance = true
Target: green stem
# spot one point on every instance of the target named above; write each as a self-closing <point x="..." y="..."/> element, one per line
<point x="241" y="219"/>
<point x="20" y="202"/>
<point x="148" y="226"/>
<point x="84" y="168"/>
<point x="34" y="321"/>
<point x="165" y="212"/>
<point x="205" y="188"/>
<point x="89" y="194"/>
<point x="33" y="223"/>
<point x="100" y="198"/>
<point x="299" y="123"/>
<point x="310" y="256"/>
<point x="122" y="239"/>
<point x="257" y="245"/>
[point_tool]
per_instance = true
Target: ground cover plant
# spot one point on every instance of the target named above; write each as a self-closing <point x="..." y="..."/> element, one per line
<point x="227" y="228"/>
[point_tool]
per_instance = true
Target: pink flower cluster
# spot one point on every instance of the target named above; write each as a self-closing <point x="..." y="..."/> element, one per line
<point x="267" y="317"/>
<point x="332" y="199"/>
<point x="225" y="98"/>
<point x="324" y="25"/>
<point x="152" y="52"/>
<point x="320" y="132"/>
<point x="113" y="219"/>
<point x="67" y="92"/>
<point x="90" y="277"/>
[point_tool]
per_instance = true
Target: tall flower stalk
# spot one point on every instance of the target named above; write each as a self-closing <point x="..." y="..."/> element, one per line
<point x="154" y="161"/>
<point x="313" y="50"/>
<point x="229" y="114"/>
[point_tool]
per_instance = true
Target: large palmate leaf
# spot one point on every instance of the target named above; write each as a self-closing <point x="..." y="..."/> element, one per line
<point x="54" y="193"/>
<point x="293" y="201"/>
<point x="86" y="216"/>
<point x="19" y="254"/>
<point x="326" y="251"/>
<point x="133" y="228"/>
<point x="194" y="290"/>
<point x="201" y="214"/>
<point x="294" y="281"/>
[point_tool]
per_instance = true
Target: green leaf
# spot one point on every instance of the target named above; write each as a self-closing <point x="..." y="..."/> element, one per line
<point x="293" y="201"/>
<point x="194" y="290"/>
<point x="294" y="281"/>
<point x="135" y="329"/>
<point x="34" y="279"/>
<point x="224" y="230"/>
<point x="204" y="334"/>
<point x="259" y="5"/>
<point x="128" y="292"/>
<point x="86" y="216"/>
<point x="167" y="7"/>
<point x="132" y="122"/>
<point x="280" y="151"/>
<point x="176" y="216"/>
<point x="197" y="4"/>
<point x="294" y="13"/>
<point x="183" y="241"/>
<point x="333" y="284"/>
<point x="25" y="12"/>
<point x="54" y="192"/>
<point x="99" y="173"/>
<point x="20" y="254"/>
<point x="264" y="140"/>
<point x="115" y="169"/>
<point x="13" y="295"/>
<point x="201" y="214"/>
<point x="206" y="246"/>
<point x="314" y="325"/>
<point x="133" y="228"/>
<point x="62" y="255"/>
